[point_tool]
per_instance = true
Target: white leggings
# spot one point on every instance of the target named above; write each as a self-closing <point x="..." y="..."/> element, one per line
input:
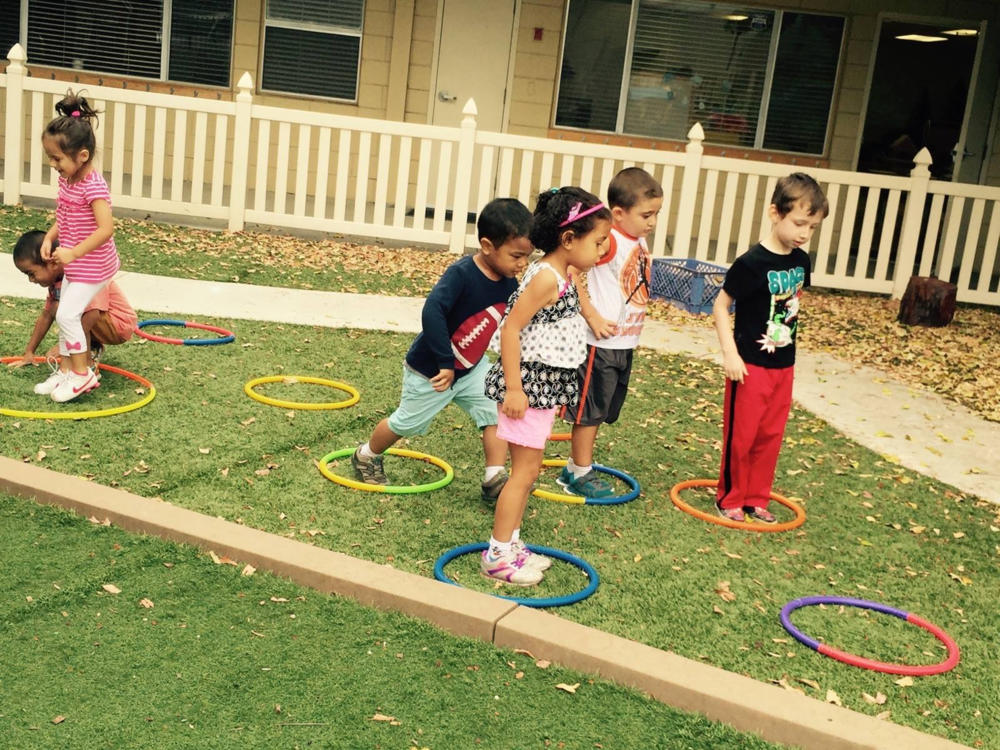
<point x="73" y="300"/>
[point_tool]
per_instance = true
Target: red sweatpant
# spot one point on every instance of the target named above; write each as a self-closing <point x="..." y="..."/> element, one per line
<point x="753" y="424"/>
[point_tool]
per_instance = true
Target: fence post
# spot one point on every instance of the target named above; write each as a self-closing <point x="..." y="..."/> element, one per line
<point x="913" y="216"/>
<point x="689" y="191"/>
<point x="13" y="158"/>
<point x="241" y="151"/>
<point x="463" y="177"/>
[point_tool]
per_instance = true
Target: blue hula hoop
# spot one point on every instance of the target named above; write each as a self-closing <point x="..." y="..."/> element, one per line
<point x="572" y="499"/>
<point x="225" y="337"/>
<point x="556" y="554"/>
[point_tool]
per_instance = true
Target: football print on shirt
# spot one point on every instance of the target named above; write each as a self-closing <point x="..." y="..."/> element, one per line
<point x="470" y="340"/>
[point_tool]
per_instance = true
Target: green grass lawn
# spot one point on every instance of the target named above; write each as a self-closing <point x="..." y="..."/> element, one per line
<point x="874" y="530"/>
<point x="115" y="640"/>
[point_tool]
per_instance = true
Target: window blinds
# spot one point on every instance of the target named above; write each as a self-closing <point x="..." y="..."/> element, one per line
<point x="107" y="36"/>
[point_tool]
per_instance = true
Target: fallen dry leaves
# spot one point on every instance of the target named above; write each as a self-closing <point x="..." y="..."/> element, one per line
<point x="955" y="361"/>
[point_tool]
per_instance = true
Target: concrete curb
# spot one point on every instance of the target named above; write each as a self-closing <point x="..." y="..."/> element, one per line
<point x="775" y="714"/>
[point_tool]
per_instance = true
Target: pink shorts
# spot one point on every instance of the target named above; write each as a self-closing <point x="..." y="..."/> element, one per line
<point x="531" y="430"/>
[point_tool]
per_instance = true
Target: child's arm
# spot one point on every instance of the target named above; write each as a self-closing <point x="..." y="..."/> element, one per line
<point x="50" y="236"/>
<point x="105" y="228"/>
<point x="434" y="325"/>
<point x="601" y="326"/>
<point x="541" y="290"/>
<point x="732" y="362"/>
<point x="42" y="326"/>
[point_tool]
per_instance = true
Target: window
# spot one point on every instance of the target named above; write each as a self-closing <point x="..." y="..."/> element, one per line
<point x="10" y="24"/>
<point x="191" y="44"/>
<point x="312" y="47"/>
<point x="753" y="77"/>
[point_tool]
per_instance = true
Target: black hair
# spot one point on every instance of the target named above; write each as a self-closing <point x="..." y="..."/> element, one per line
<point x="799" y="186"/>
<point x="72" y="128"/>
<point x="503" y="219"/>
<point x="631" y="185"/>
<point x="554" y="207"/>
<point x="29" y="247"/>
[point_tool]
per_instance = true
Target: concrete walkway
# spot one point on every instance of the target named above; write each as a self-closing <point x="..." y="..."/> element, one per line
<point x="919" y="429"/>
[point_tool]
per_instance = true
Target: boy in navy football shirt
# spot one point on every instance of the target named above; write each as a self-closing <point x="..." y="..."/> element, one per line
<point x="445" y="362"/>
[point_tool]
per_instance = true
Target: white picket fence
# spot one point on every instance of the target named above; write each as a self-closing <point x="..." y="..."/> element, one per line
<point x="240" y="162"/>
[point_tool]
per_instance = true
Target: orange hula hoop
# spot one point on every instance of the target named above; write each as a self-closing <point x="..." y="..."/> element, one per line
<point x="675" y="497"/>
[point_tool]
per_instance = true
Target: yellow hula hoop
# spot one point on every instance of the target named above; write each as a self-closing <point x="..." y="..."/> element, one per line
<point x="85" y="414"/>
<point x="559" y="497"/>
<point x="391" y="489"/>
<point x="351" y="400"/>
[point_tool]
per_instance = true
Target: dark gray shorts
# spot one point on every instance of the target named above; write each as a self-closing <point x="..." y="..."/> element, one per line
<point x="604" y="377"/>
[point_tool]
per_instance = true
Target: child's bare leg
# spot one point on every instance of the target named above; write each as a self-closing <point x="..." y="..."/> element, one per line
<point x="494" y="449"/>
<point x="525" y="464"/>
<point x="582" y="445"/>
<point x="382" y="437"/>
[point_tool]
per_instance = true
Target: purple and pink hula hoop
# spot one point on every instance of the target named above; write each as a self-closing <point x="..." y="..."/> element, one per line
<point x="861" y="661"/>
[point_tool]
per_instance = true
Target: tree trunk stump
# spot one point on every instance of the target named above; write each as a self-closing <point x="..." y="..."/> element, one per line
<point x="927" y="302"/>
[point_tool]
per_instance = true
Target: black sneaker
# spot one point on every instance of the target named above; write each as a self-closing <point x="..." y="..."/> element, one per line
<point x="369" y="470"/>
<point x="491" y="489"/>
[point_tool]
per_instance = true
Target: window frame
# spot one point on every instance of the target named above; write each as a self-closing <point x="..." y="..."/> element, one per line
<point x="165" y="39"/>
<point x="320" y="28"/>
<point x="759" y="133"/>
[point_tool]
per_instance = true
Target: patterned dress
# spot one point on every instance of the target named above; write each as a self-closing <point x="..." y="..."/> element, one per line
<point x="553" y="345"/>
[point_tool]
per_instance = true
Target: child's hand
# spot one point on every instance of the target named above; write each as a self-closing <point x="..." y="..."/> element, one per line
<point x="515" y="403"/>
<point x="46" y="248"/>
<point x="602" y="327"/>
<point x="734" y="367"/>
<point x="64" y="255"/>
<point x="28" y="358"/>
<point x="443" y="380"/>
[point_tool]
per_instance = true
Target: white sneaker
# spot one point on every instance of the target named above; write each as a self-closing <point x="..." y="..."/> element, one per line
<point x="74" y="384"/>
<point x="48" y="385"/>
<point x="509" y="568"/>
<point x="531" y="559"/>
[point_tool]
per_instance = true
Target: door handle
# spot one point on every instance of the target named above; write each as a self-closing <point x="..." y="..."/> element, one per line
<point x="446" y="97"/>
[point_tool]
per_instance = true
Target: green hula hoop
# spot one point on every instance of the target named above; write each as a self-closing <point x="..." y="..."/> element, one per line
<point x="391" y="489"/>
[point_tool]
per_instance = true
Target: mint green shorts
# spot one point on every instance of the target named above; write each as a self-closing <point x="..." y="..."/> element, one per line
<point x="420" y="403"/>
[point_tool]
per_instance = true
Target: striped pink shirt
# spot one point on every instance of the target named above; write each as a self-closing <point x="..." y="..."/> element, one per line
<point x="76" y="222"/>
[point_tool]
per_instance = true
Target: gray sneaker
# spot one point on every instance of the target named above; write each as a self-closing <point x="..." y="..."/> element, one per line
<point x="369" y="470"/>
<point x="491" y="489"/>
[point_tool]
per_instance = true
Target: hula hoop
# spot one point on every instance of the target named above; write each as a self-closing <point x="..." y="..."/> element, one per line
<point x="391" y="489"/>
<point x="675" y="496"/>
<point x="551" y="601"/>
<point x="560" y="497"/>
<point x="557" y="436"/>
<point x="85" y="414"/>
<point x="225" y="337"/>
<point x="352" y="398"/>
<point x="860" y="661"/>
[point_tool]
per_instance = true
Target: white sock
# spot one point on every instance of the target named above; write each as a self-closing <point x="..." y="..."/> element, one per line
<point x="516" y="536"/>
<point x="491" y="471"/>
<point x="366" y="452"/>
<point x="577" y="471"/>
<point x="498" y="549"/>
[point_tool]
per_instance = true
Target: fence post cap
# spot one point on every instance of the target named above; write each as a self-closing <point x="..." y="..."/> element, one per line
<point x="246" y="82"/>
<point x="696" y="133"/>
<point x="470" y="108"/>
<point x="16" y="53"/>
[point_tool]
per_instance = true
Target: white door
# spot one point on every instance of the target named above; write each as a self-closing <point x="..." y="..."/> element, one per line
<point x="475" y="52"/>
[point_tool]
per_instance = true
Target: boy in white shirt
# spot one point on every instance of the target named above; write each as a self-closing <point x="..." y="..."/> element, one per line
<point x="614" y="306"/>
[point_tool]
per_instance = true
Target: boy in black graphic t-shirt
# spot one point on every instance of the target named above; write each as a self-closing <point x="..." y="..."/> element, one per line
<point x="758" y="353"/>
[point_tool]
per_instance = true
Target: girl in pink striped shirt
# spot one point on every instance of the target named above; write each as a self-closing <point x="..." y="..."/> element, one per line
<point x="86" y="247"/>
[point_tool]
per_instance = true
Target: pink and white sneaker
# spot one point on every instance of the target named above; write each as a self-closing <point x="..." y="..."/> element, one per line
<point x="74" y="384"/>
<point x="510" y="568"/>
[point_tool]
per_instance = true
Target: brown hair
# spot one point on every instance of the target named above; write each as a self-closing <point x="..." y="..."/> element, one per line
<point x="632" y="185"/>
<point x="72" y="128"/>
<point x="799" y="186"/>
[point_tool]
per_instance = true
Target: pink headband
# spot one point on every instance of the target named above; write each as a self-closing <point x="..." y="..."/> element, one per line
<point x="575" y="212"/>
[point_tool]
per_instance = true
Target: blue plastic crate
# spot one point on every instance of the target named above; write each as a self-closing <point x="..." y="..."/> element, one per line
<point x="690" y="284"/>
